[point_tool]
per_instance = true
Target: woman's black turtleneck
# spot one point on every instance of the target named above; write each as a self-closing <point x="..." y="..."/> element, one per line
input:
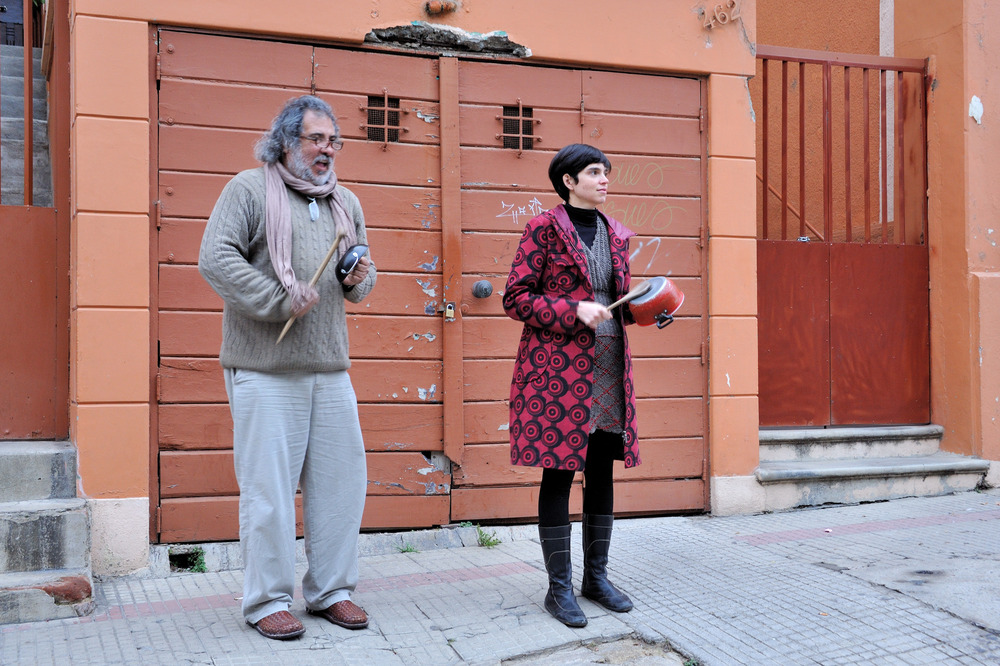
<point x="585" y="221"/>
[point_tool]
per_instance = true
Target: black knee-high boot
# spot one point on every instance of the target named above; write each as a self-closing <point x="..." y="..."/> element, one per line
<point x="560" y="601"/>
<point x="596" y="586"/>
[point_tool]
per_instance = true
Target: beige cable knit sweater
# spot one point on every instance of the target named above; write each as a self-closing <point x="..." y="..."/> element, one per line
<point x="235" y="261"/>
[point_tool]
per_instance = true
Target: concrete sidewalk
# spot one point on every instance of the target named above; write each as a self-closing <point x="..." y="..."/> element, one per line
<point x="911" y="581"/>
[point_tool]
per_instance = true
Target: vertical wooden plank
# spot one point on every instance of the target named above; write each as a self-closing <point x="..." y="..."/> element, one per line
<point x="451" y="261"/>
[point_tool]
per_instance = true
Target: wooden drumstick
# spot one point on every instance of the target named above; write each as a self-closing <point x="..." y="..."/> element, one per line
<point x="636" y="292"/>
<point x="315" y="279"/>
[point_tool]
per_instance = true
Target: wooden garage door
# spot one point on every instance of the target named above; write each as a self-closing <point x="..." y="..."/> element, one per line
<point x="649" y="128"/>
<point x="442" y="213"/>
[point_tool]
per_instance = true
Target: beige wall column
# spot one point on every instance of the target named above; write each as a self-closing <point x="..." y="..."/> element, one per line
<point x="732" y="298"/>
<point x="964" y="214"/>
<point x="109" y="322"/>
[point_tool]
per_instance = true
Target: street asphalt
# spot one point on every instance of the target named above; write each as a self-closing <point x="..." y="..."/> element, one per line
<point x="908" y="581"/>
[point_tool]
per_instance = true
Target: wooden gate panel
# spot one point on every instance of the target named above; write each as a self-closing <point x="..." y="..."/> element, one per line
<point x="398" y="328"/>
<point x="212" y="474"/>
<point x="879" y="334"/>
<point x="793" y="287"/>
<point x="641" y="94"/>
<point x="656" y="185"/>
<point x="186" y="55"/>
<point x="397" y="334"/>
<point x="387" y="427"/>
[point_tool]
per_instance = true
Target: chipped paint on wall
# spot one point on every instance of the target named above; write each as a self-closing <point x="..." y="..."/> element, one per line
<point x="976" y="109"/>
<point x="425" y="286"/>
<point x="431" y="265"/>
<point x="427" y="393"/>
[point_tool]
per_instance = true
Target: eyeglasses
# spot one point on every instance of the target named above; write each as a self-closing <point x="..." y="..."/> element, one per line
<point x="322" y="142"/>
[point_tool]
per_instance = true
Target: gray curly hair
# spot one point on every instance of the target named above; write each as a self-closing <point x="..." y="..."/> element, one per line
<point x="287" y="126"/>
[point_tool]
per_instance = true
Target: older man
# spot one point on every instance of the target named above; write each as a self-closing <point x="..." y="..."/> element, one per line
<point x="295" y="414"/>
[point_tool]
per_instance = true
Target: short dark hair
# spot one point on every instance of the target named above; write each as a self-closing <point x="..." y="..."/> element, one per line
<point x="573" y="159"/>
<point x="287" y="126"/>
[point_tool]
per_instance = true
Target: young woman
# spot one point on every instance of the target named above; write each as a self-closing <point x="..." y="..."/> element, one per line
<point x="572" y="403"/>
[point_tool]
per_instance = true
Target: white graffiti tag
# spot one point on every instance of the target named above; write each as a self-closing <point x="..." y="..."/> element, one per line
<point x="515" y="212"/>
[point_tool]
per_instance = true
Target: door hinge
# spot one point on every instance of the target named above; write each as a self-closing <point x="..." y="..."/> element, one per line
<point x="704" y="352"/>
<point x="156" y="214"/>
<point x="701" y="120"/>
<point x="158" y="383"/>
<point x="158" y="520"/>
<point x="583" y="110"/>
<point x="703" y="237"/>
<point x="158" y="71"/>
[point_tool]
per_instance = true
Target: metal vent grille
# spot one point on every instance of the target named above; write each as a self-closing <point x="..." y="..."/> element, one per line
<point x="383" y="116"/>
<point x="518" y="128"/>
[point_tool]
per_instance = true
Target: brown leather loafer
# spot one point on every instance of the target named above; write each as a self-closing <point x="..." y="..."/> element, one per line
<point x="346" y="614"/>
<point x="280" y="626"/>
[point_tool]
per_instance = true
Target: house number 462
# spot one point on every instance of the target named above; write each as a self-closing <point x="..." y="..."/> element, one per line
<point x="722" y="14"/>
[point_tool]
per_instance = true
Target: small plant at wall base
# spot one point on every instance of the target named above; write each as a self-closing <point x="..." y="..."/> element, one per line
<point x="487" y="539"/>
<point x="408" y="548"/>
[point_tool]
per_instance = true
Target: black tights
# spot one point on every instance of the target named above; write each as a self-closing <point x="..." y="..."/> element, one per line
<point x="598" y="491"/>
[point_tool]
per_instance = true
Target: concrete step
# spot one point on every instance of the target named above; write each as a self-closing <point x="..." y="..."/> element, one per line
<point x="14" y="85"/>
<point x="36" y="535"/>
<point x="37" y="471"/>
<point x="12" y="106"/>
<point x="791" y="484"/>
<point x="12" y="129"/>
<point x="45" y="595"/>
<point x="12" y="62"/>
<point x="801" y="444"/>
<point x="12" y="174"/>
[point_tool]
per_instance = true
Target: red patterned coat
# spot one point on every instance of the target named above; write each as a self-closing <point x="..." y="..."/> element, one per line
<point x="550" y="394"/>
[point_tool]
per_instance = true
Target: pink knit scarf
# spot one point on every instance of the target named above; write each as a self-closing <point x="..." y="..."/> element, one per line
<point x="278" y="222"/>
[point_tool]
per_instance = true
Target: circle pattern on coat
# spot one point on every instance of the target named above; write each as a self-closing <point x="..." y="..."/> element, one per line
<point x="551" y="392"/>
<point x="580" y="389"/>
<point x="576" y="440"/>
<point x="558" y="360"/>
<point x="554" y="412"/>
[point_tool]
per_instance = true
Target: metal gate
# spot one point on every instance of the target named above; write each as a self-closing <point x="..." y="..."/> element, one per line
<point x="449" y="159"/>
<point x="842" y="248"/>
<point x="34" y="229"/>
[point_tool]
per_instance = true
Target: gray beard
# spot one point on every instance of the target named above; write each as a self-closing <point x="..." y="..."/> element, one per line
<point x="297" y="165"/>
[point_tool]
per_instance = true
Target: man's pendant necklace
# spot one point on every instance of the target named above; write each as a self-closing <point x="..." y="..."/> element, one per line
<point x="313" y="210"/>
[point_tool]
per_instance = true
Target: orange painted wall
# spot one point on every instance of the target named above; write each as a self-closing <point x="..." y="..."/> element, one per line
<point x="111" y="343"/>
<point x="964" y="38"/>
<point x="850" y="27"/>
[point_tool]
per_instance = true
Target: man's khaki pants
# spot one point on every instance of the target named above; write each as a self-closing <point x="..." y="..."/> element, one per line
<point x="289" y="430"/>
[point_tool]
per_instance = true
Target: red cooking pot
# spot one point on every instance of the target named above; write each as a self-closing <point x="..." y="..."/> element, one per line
<point x="653" y="302"/>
